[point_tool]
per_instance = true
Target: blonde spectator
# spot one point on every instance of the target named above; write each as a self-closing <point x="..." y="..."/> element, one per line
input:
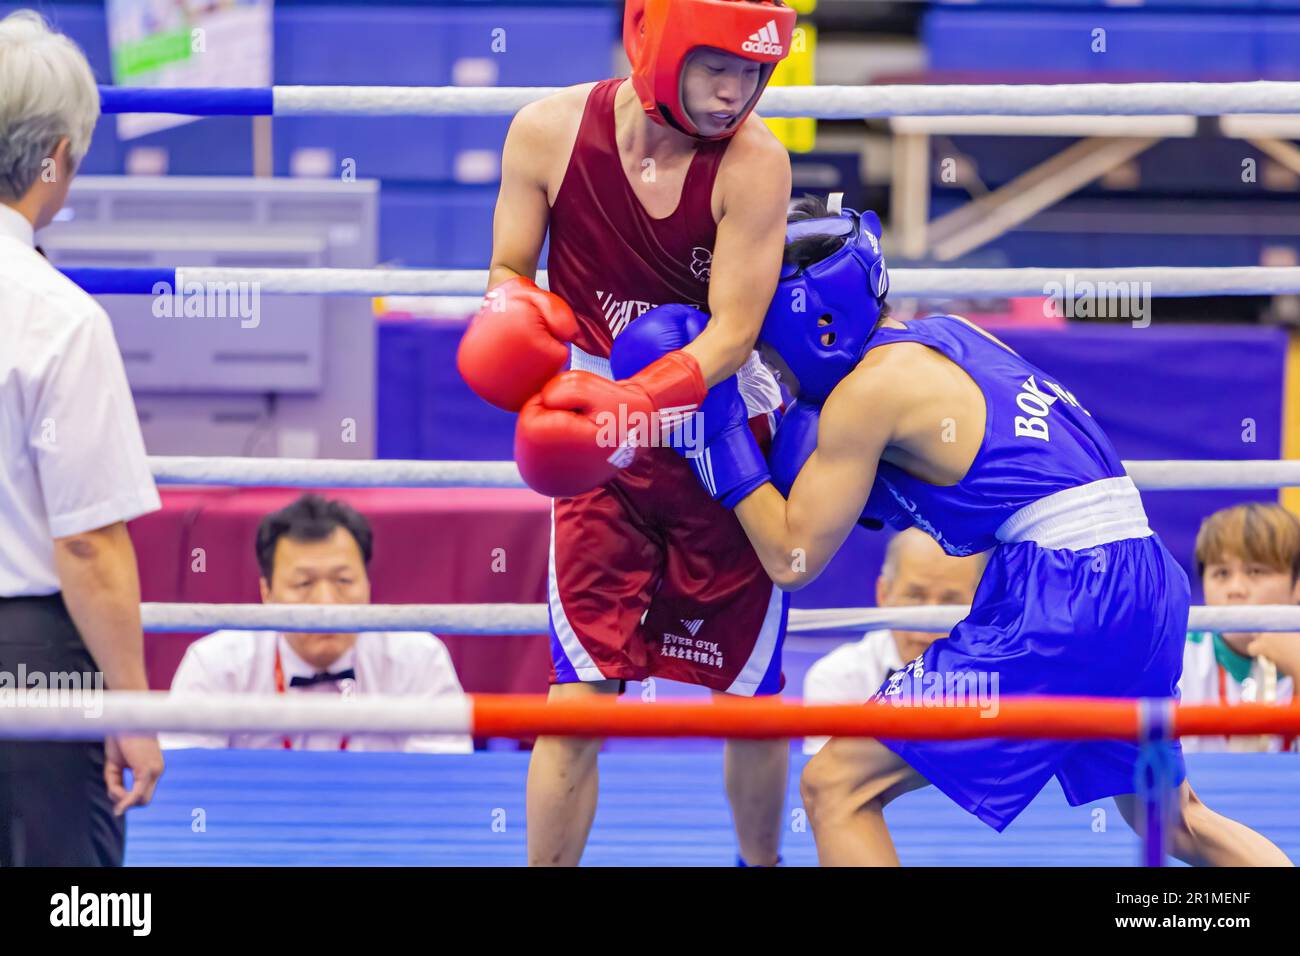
<point x="1247" y="554"/>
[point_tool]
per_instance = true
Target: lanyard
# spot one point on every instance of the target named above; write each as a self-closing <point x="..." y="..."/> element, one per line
<point x="1287" y="742"/>
<point x="279" y="689"/>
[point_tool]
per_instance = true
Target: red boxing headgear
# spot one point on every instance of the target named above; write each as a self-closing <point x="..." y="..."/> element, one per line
<point x="659" y="34"/>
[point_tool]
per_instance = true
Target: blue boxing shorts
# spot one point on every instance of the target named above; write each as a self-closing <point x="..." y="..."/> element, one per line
<point x="1108" y="621"/>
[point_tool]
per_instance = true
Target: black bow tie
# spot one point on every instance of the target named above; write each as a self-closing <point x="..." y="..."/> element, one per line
<point x="323" y="678"/>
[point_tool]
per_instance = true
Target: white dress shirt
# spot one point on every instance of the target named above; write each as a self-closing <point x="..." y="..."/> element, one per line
<point x="1206" y="681"/>
<point x="71" y="455"/>
<point x="850" y="674"/>
<point x="386" y="663"/>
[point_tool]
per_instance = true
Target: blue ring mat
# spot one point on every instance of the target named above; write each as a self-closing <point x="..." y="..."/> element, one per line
<point x="657" y="808"/>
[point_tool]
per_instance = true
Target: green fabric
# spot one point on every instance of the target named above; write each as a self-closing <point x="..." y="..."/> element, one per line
<point x="1237" y="665"/>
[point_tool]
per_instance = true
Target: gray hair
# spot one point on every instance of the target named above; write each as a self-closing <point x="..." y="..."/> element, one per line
<point x="47" y="92"/>
<point x="890" y="568"/>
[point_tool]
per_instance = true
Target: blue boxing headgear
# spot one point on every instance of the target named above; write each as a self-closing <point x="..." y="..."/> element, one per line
<point x="823" y="313"/>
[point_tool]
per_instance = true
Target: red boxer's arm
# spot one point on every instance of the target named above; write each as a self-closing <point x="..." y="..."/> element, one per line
<point x="755" y="180"/>
<point x="523" y="211"/>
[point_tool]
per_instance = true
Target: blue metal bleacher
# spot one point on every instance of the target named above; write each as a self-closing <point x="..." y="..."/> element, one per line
<point x="1190" y="203"/>
<point x="435" y="205"/>
<point x="1200" y="44"/>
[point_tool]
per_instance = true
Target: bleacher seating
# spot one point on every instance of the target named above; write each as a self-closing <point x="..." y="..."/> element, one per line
<point x="1189" y="202"/>
<point x="439" y="174"/>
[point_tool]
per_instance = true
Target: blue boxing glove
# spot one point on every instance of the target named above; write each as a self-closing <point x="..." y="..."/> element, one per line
<point x="722" y="449"/>
<point x="663" y="329"/>
<point x="793" y="444"/>
<point x="716" y="440"/>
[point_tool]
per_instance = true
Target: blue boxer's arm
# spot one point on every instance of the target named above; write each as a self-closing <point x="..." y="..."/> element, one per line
<point x="792" y="445"/>
<point x="796" y="538"/>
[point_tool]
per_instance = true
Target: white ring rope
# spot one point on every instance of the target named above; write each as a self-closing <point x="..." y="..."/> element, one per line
<point x="532" y="618"/>
<point x="1126" y="283"/>
<point x="347" y="618"/>
<point x="836" y="102"/>
<point x="342" y="473"/>
<point x="1156" y="475"/>
<point x="334" y="473"/>
<point x="88" y="715"/>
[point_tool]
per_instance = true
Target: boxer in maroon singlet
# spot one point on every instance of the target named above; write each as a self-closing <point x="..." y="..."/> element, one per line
<point x="649" y="577"/>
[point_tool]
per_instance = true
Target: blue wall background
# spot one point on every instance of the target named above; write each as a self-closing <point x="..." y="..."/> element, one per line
<point x="428" y="217"/>
<point x="1162" y="392"/>
<point x="1177" y="391"/>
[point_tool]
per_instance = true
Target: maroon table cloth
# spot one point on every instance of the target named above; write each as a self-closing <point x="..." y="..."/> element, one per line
<point x="431" y="546"/>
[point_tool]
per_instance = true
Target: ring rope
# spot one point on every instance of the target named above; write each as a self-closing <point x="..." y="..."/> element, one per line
<point x="60" y="716"/>
<point x="334" y="473"/>
<point x="533" y="619"/>
<point x="1118" y="283"/>
<point x="343" y="473"/>
<point x="819" y="102"/>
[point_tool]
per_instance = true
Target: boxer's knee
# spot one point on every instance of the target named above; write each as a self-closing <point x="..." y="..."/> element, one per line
<point x="830" y="786"/>
<point x="847" y="775"/>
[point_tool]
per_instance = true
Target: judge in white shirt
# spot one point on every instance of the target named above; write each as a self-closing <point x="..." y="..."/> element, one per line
<point x="916" y="572"/>
<point x="316" y="551"/>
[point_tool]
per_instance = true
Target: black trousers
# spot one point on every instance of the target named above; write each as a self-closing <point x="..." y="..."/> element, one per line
<point x="54" y="807"/>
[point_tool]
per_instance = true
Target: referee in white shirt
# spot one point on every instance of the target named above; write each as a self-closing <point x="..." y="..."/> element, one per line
<point x="72" y="472"/>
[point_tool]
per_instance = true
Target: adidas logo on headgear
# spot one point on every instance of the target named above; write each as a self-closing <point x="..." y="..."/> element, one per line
<point x="766" y="42"/>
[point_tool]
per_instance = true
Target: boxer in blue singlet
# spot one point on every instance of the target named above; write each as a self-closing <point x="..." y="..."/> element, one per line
<point x="937" y="424"/>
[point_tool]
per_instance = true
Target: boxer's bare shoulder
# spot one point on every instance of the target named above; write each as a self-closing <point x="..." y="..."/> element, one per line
<point x="755" y="161"/>
<point x="901" y="382"/>
<point x="543" y="133"/>
<point x="887" y="378"/>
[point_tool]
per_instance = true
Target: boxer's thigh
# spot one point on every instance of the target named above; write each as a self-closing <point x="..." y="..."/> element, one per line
<point x="992" y="778"/>
<point x="604" y="566"/>
<point x="717" y="619"/>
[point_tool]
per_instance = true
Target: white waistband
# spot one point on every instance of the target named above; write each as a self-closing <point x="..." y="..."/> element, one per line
<point x="581" y="361"/>
<point x="1082" y="517"/>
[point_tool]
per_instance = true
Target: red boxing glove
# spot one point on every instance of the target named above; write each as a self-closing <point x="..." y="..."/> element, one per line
<point x="582" y="429"/>
<point x="516" y="343"/>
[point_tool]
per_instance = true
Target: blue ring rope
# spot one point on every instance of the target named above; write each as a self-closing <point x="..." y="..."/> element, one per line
<point x="196" y="101"/>
<point x="102" y="281"/>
